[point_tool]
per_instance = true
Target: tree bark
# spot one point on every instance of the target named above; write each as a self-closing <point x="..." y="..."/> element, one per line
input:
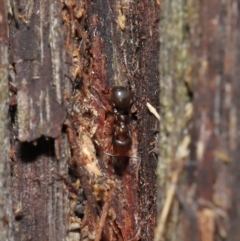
<point x="198" y="171"/>
<point x="215" y="131"/>
<point x="176" y="113"/>
<point x="64" y="58"/>
<point x="5" y="180"/>
<point x="38" y="64"/>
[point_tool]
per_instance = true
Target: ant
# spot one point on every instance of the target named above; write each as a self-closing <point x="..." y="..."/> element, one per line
<point x="121" y="98"/>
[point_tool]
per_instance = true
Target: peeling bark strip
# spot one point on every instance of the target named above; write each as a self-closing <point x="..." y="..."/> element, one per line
<point x="39" y="149"/>
<point x="36" y="57"/>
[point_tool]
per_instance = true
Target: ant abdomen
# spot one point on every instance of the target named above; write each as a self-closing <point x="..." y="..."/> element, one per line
<point x="121" y="147"/>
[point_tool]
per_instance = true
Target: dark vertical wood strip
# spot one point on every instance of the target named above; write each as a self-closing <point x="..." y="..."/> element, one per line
<point x="147" y="90"/>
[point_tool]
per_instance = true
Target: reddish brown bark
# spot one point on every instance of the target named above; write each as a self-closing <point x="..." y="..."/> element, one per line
<point x="94" y="46"/>
<point x="117" y="46"/>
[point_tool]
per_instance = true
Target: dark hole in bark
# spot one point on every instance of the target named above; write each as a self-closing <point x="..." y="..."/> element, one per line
<point x="30" y="151"/>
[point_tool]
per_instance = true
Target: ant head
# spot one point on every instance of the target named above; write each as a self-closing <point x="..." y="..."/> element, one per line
<point x="121" y="98"/>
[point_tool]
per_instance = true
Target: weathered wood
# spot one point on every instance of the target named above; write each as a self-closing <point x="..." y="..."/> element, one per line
<point x="130" y="37"/>
<point x="176" y="109"/>
<point x="37" y="63"/>
<point x="147" y="90"/>
<point x="215" y="136"/>
<point x="116" y="45"/>
<point x="5" y="181"/>
<point x="200" y="200"/>
<point x="38" y="66"/>
<point x="94" y="45"/>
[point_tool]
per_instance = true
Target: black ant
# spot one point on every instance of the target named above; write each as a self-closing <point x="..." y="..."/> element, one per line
<point x="121" y="98"/>
<point x="121" y="101"/>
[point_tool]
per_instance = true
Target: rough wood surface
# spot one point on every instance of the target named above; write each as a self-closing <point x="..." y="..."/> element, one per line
<point x="5" y="182"/>
<point x="93" y="46"/>
<point x="199" y="198"/>
<point x="176" y="113"/>
<point x="117" y="46"/>
<point x="37" y="71"/>
<point x="147" y="89"/>
<point x="215" y="136"/>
